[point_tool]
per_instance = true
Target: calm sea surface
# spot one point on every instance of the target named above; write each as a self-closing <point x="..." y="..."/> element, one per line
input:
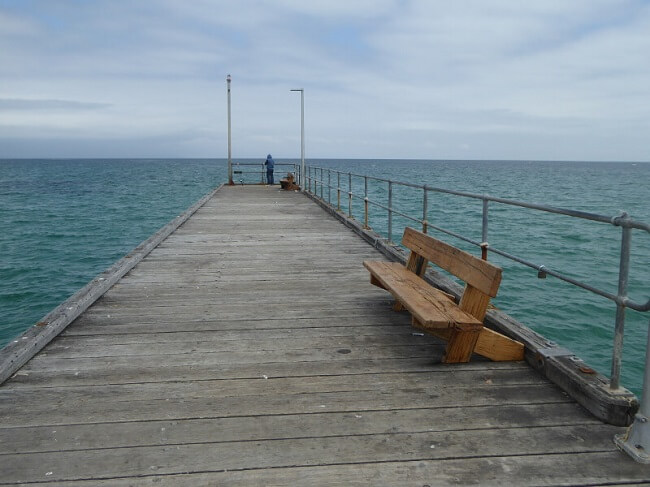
<point x="65" y="221"/>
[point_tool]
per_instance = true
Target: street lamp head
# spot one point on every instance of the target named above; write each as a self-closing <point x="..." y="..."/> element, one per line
<point x="298" y="89"/>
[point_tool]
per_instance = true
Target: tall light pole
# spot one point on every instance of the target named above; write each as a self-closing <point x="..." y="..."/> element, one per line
<point x="302" y="137"/>
<point x="229" y="139"/>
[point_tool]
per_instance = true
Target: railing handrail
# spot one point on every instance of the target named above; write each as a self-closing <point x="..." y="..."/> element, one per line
<point x="260" y="171"/>
<point x="623" y="220"/>
<point x="614" y="220"/>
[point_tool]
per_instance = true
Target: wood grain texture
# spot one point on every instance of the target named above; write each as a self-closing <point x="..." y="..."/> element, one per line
<point x="431" y="307"/>
<point x="209" y="363"/>
<point x="472" y="270"/>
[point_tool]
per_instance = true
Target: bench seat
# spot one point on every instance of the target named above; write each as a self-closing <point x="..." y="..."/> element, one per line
<point x="431" y="307"/>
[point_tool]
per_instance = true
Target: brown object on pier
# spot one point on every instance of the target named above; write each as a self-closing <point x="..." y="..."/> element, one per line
<point x="288" y="183"/>
<point x="433" y="311"/>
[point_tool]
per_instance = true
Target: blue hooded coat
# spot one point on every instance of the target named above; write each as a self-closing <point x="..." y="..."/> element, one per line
<point x="269" y="162"/>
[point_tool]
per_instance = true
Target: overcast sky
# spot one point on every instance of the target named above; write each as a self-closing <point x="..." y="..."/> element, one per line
<point x="428" y="79"/>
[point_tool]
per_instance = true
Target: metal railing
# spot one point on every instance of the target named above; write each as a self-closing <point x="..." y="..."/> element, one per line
<point x="321" y="178"/>
<point x="241" y="171"/>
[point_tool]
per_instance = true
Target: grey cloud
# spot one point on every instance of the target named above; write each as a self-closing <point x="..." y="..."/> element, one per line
<point x="48" y="104"/>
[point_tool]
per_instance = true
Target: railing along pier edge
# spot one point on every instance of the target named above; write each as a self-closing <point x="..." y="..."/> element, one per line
<point x="604" y="397"/>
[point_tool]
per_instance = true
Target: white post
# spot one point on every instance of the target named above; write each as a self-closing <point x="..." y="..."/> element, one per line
<point x="302" y="137"/>
<point x="229" y="138"/>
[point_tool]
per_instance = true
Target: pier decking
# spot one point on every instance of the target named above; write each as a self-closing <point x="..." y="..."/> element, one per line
<point x="250" y="349"/>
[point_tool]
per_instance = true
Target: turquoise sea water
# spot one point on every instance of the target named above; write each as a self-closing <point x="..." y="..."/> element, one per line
<point x="65" y="221"/>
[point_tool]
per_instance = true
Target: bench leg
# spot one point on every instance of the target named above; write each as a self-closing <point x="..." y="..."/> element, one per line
<point x="375" y="282"/>
<point x="460" y="346"/>
<point x="490" y="344"/>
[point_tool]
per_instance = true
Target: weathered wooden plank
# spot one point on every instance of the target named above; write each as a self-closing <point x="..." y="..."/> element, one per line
<point x="527" y="470"/>
<point x="278" y="453"/>
<point x="206" y="345"/>
<point x="97" y="406"/>
<point x="339" y="353"/>
<point x="425" y="383"/>
<point x="253" y="428"/>
<point x="76" y="372"/>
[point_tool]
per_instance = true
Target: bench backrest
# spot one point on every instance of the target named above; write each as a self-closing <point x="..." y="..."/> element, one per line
<point x="482" y="279"/>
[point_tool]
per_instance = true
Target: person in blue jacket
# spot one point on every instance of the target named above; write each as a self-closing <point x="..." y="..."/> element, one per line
<point x="269" y="163"/>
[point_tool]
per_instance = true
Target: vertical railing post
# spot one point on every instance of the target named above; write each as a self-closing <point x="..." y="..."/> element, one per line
<point x="365" y="202"/>
<point x="321" y="183"/>
<point x="350" y="195"/>
<point x="263" y="171"/>
<point x="636" y="440"/>
<point x="308" y="176"/>
<point x="484" y="231"/>
<point x="390" y="211"/>
<point x="230" y="181"/>
<point x="338" y="191"/>
<point x="623" y="275"/>
<point x="425" y="209"/>
<point x="329" y="187"/>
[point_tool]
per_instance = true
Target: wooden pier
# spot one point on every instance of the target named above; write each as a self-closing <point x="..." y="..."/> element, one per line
<point x="250" y="349"/>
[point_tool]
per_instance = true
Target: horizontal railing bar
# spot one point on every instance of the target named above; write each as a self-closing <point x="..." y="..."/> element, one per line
<point x="397" y="212"/>
<point x="261" y="164"/>
<point x="622" y="220"/>
<point x="616" y="220"/>
<point x="454" y="234"/>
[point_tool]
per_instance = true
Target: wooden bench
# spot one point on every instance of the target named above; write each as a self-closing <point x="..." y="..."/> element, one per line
<point x="289" y="183"/>
<point x="435" y="311"/>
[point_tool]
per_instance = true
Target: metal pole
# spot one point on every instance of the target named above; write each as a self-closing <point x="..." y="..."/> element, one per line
<point x="309" y="178"/>
<point x="302" y="135"/>
<point x="623" y="274"/>
<point x="350" y="195"/>
<point x="636" y="440"/>
<point x="484" y="231"/>
<point x="228" y="79"/>
<point x="365" y="202"/>
<point x="338" y="191"/>
<point x="425" y="209"/>
<point x="390" y="211"/>
<point x="329" y="186"/>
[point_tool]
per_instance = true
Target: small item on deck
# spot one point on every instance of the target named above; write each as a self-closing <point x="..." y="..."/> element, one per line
<point x="436" y="312"/>
<point x="288" y="183"/>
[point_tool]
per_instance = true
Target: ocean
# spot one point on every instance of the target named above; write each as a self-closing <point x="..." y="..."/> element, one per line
<point x="65" y="221"/>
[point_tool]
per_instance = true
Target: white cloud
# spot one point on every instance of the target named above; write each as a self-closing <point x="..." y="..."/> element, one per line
<point x="382" y="78"/>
